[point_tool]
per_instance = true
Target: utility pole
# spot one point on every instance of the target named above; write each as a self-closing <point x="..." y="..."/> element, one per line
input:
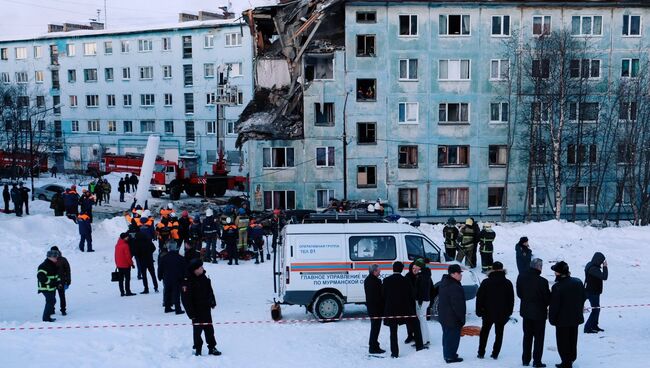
<point x="345" y="148"/>
<point x="105" y="16"/>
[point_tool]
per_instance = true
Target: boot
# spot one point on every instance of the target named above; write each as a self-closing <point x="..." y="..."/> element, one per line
<point x="146" y="291"/>
<point x="197" y="352"/>
<point x="214" y="351"/>
<point x="50" y="319"/>
<point x="262" y="256"/>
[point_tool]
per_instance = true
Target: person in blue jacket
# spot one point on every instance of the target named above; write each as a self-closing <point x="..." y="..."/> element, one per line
<point x="85" y="232"/>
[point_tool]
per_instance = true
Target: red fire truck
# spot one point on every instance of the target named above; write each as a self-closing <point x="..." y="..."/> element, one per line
<point x="20" y="161"/>
<point x="172" y="178"/>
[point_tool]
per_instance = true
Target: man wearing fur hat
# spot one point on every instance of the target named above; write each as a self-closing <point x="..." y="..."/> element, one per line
<point x="198" y="299"/>
<point x="48" y="281"/>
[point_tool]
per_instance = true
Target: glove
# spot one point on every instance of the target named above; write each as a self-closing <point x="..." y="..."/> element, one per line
<point x="66" y="286"/>
<point x="133" y="266"/>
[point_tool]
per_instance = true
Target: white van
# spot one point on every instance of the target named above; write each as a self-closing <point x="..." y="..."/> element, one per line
<point x="323" y="266"/>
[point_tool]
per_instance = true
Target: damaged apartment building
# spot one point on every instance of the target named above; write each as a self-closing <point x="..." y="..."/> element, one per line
<point x="403" y="101"/>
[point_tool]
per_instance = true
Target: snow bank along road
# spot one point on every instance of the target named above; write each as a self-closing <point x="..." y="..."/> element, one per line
<point x="244" y="293"/>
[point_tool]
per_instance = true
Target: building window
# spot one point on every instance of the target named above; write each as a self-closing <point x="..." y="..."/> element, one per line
<point x="233" y="39"/>
<point x="277" y="157"/>
<point x="147" y="100"/>
<point x="166" y="43"/>
<point x="126" y="73"/>
<point x="581" y="154"/>
<point x="408" y="69"/>
<point x="147" y="126"/>
<point x="38" y="52"/>
<point x="22" y="77"/>
<point x="4" y="53"/>
<point x="625" y="154"/>
<point x="112" y="126"/>
<point x="189" y="131"/>
<point x="230" y="127"/>
<point x="56" y="105"/>
<point x="210" y="127"/>
<point x="127" y="100"/>
<point x="585" y="68"/>
<point x="631" y="25"/>
<point x="630" y="68"/>
<point x="145" y="45"/>
<point x="55" y="79"/>
<point x="367" y="133"/>
<point x="499" y="69"/>
<point x="408" y="25"/>
<point x="41" y="125"/>
<point x="453" y="198"/>
<point x="580" y="195"/>
<point x="108" y="74"/>
<point x="408" y="113"/>
<point x="279" y="199"/>
<point x="407" y="157"/>
<point x="72" y="75"/>
<point x="188" y="78"/>
<point x="323" y="198"/>
<point x="454" y="25"/>
<point x="583" y="111"/>
<point x="70" y="49"/>
<point x="325" y="157"/>
<point x="128" y="126"/>
<point x="623" y="196"/>
<point x="501" y="25"/>
<point x="125" y="46"/>
<point x="499" y="112"/>
<point x="541" y="68"/>
<point x="537" y="196"/>
<point x="365" y="45"/>
<point x="208" y="70"/>
<point x="319" y="67"/>
<point x="92" y="100"/>
<point x="325" y="115"/>
<point x="110" y="100"/>
<point x="586" y="25"/>
<point x="189" y="103"/>
<point x="453" y="113"/>
<point x="168" y="99"/>
<point x="366" y="17"/>
<point x="366" y="176"/>
<point x="497" y="155"/>
<point x="108" y="47"/>
<point x="146" y="72"/>
<point x="40" y="101"/>
<point x="93" y="126"/>
<point x="235" y="69"/>
<point x="495" y="197"/>
<point x="407" y="198"/>
<point x="210" y="156"/>
<point x="169" y="127"/>
<point x="4" y="77"/>
<point x="627" y="111"/>
<point x="23" y="101"/>
<point x="90" y="49"/>
<point x="453" y="69"/>
<point x="541" y="25"/>
<point x="73" y="101"/>
<point x="90" y="75"/>
<point x="208" y="41"/>
<point x="74" y="125"/>
<point x="453" y="156"/>
<point x="540" y="111"/>
<point x="167" y="71"/>
<point x="366" y="90"/>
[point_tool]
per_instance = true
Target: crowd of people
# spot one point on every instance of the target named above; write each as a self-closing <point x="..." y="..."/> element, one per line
<point x="18" y="195"/>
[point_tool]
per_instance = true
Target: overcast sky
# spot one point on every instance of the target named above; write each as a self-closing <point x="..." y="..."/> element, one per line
<point x="30" y="17"/>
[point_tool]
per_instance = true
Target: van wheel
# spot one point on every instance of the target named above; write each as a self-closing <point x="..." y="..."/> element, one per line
<point x="432" y="312"/>
<point x="328" y="307"/>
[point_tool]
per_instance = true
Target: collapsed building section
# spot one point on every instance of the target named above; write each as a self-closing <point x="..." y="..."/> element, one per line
<point x="294" y="44"/>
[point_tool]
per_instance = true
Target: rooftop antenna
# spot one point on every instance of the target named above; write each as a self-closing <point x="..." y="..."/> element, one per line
<point x="105" y="14"/>
<point x="99" y="11"/>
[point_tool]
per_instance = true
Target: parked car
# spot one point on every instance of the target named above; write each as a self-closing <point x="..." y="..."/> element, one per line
<point x="46" y="192"/>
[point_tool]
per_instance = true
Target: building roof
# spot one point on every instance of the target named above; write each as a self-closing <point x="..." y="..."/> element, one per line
<point x="538" y="3"/>
<point x="129" y="30"/>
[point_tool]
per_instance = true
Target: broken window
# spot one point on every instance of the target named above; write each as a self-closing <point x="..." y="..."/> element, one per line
<point x="408" y="25"/>
<point x="278" y="157"/>
<point x="577" y="154"/>
<point x="453" y="198"/>
<point x="453" y="113"/>
<point x="365" y="45"/>
<point x="366" y="133"/>
<point x="324" y="116"/>
<point x="366" y="89"/>
<point x="453" y="156"/>
<point x="498" y="155"/>
<point x="325" y="157"/>
<point x="541" y="68"/>
<point x="408" y="157"/>
<point x="366" y="176"/>
<point x="407" y="198"/>
<point x="366" y="17"/>
<point x="454" y="25"/>
<point x="319" y="67"/>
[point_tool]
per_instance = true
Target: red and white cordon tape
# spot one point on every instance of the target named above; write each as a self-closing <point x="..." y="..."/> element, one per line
<point x="225" y="323"/>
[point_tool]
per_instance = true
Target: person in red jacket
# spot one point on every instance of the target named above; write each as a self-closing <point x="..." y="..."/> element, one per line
<point x="124" y="263"/>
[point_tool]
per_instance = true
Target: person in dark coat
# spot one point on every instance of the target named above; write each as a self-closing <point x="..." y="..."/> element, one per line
<point x="190" y="253"/>
<point x="375" y="305"/>
<point x="400" y="301"/>
<point x="71" y="202"/>
<point x="121" y="189"/>
<point x="63" y="270"/>
<point x="17" y="198"/>
<point x="451" y="312"/>
<point x="24" y="197"/>
<point x="86" y="203"/>
<point x="410" y="277"/>
<point x="486" y="249"/>
<point x="85" y="232"/>
<point x="565" y="312"/>
<point x="184" y="228"/>
<point x="535" y="296"/>
<point x="523" y="254"/>
<point x="198" y="299"/>
<point x="99" y="192"/>
<point x="133" y="180"/>
<point x="57" y="204"/>
<point x="451" y="235"/>
<point x="495" y="301"/>
<point x="7" y="197"/>
<point x="256" y="239"/>
<point x="172" y="271"/>
<point x="144" y="250"/>
<point x="210" y="231"/>
<point x="423" y="286"/>
<point x="53" y="171"/>
<point x="127" y="183"/>
<point x="48" y="282"/>
<point x="230" y="236"/>
<point x="595" y="273"/>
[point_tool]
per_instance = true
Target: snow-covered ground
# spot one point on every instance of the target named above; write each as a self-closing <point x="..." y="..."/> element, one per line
<point x="245" y="293"/>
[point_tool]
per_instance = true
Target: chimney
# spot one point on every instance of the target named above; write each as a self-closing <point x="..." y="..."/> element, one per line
<point x="187" y="17"/>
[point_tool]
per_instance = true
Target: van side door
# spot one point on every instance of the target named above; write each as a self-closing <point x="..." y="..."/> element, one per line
<point x="363" y="251"/>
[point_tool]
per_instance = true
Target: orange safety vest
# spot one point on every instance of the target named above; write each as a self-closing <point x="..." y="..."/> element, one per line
<point x="165" y="212"/>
